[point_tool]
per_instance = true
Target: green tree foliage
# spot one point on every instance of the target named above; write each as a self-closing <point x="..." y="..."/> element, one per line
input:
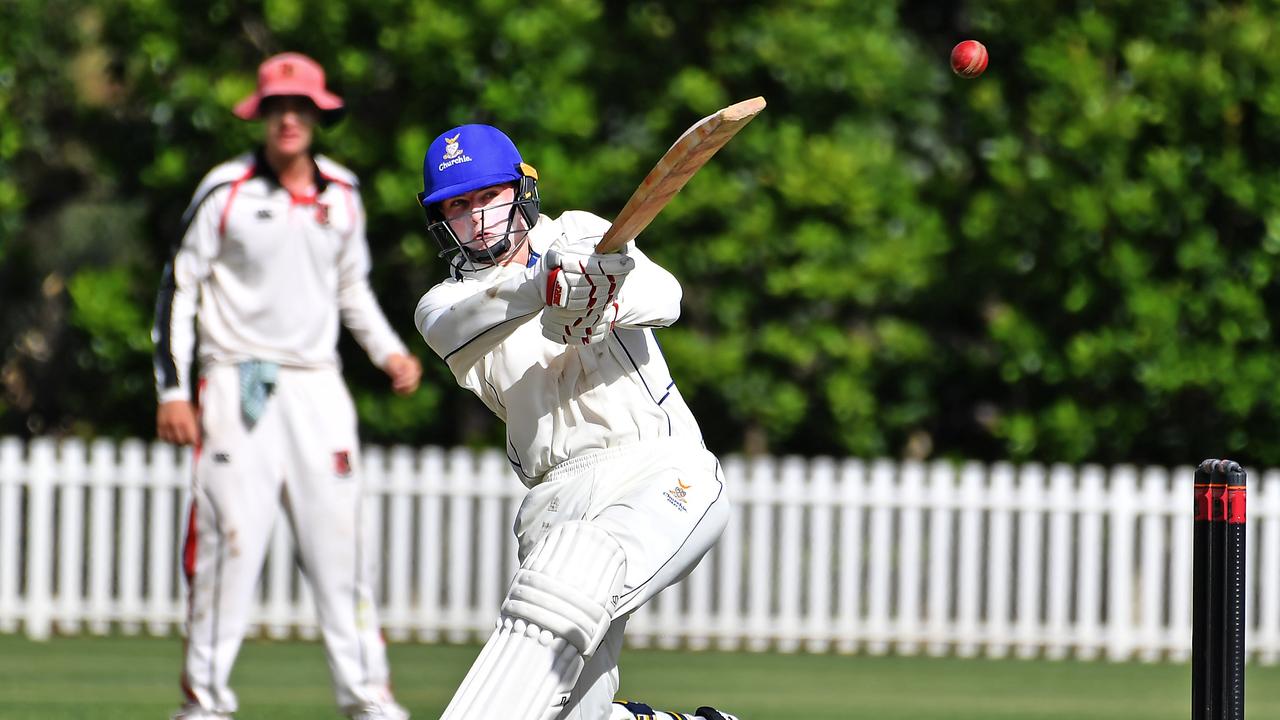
<point x="1069" y="258"/>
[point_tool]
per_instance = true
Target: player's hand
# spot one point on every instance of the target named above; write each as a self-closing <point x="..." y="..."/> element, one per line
<point x="405" y="371"/>
<point x="176" y="423"/>
<point x="578" y="327"/>
<point x="583" y="281"/>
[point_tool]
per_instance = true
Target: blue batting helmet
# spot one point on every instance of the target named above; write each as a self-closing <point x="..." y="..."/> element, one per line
<point x="468" y="158"/>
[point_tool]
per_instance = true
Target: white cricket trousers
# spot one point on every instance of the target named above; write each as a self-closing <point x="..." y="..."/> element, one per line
<point x="302" y="455"/>
<point x="665" y="503"/>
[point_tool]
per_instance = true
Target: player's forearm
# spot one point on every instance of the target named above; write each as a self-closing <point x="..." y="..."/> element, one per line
<point x="368" y="324"/>
<point x="463" y="331"/>
<point x="174" y="337"/>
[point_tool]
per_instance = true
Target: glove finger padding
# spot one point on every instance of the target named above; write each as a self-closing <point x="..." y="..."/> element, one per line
<point x="583" y="281"/>
<point x="574" y="327"/>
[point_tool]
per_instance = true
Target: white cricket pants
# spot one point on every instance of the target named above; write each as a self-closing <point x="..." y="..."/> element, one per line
<point x="302" y="455"/>
<point x="664" y="501"/>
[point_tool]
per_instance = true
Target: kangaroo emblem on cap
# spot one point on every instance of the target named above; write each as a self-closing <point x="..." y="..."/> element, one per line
<point x="451" y="147"/>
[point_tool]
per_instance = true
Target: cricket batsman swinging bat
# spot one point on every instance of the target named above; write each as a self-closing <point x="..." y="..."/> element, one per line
<point x="694" y="148"/>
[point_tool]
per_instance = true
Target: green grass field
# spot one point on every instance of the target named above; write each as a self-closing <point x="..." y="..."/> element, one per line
<point x="136" y="678"/>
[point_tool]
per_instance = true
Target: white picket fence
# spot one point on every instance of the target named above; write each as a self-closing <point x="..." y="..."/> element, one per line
<point x="819" y="556"/>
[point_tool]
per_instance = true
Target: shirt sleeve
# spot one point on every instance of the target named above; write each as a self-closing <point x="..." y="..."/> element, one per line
<point x="174" y="333"/>
<point x="463" y="321"/>
<point x="650" y="297"/>
<point x="356" y="303"/>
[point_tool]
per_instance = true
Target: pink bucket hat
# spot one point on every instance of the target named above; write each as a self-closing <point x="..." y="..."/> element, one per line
<point x="291" y="74"/>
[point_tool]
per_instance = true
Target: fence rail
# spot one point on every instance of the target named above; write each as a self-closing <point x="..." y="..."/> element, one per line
<point x="820" y="555"/>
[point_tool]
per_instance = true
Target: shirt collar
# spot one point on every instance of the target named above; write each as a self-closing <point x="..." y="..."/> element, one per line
<point x="262" y="169"/>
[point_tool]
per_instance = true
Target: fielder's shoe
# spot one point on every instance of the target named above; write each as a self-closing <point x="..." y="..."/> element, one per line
<point x="711" y="713"/>
<point x="381" y="711"/>
<point x="195" y="712"/>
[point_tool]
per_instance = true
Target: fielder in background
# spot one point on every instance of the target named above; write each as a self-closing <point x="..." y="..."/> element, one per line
<point x="558" y="342"/>
<point x="273" y="257"/>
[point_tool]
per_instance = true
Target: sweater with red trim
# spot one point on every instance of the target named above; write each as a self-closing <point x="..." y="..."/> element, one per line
<point x="261" y="274"/>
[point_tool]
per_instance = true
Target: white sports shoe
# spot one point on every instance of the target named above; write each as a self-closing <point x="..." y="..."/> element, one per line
<point x="195" y="712"/>
<point x="383" y="711"/>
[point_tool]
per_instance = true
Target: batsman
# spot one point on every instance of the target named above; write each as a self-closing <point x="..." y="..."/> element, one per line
<point x="558" y="341"/>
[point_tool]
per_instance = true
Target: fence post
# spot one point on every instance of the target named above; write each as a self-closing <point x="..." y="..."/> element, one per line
<point x="460" y="477"/>
<point x="820" y="565"/>
<point x="1252" y="566"/>
<point x="1179" y="587"/>
<point x="492" y="534"/>
<point x="1089" y="552"/>
<point x="1000" y="554"/>
<point x="40" y="538"/>
<point x="1268" y="617"/>
<point x="910" y="541"/>
<point x="430" y="570"/>
<point x="790" y="623"/>
<point x="1121" y="519"/>
<point x="11" y="480"/>
<point x="728" y="628"/>
<point x="1062" y="501"/>
<point x="1031" y="507"/>
<point x="397" y="614"/>
<point x="162" y="549"/>
<point x="1155" y="487"/>
<point x="969" y="576"/>
<point x="760" y="563"/>
<point x="103" y="472"/>
<point x="880" y="552"/>
<point x="72" y="468"/>
<point x="133" y="477"/>
<point x="853" y="499"/>
<point x="941" y="497"/>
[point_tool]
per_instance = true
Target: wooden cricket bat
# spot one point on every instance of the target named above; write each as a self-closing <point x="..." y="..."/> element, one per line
<point x="694" y="148"/>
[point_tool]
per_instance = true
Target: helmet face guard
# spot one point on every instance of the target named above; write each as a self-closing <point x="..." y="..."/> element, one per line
<point x="527" y="204"/>
<point x="465" y="159"/>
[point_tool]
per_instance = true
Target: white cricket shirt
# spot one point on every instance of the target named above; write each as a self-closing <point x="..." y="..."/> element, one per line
<point x="560" y="401"/>
<point x="267" y="276"/>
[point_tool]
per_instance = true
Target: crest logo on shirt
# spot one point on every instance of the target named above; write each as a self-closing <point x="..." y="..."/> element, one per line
<point x="678" y="496"/>
<point x="322" y="213"/>
<point x="342" y="463"/>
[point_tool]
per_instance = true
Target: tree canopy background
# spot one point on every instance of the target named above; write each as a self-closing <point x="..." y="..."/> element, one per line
<point x="1070" y="258"/>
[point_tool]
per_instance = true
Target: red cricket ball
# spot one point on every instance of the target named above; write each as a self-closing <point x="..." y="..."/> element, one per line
<point x="969" y="59"/>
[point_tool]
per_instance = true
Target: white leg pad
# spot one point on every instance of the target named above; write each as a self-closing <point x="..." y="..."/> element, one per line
<point x="557" y="611"/>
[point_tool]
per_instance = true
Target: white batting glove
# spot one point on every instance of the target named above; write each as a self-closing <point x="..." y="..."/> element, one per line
<point x="578" y="327"/>
<point x="583" y="282"/>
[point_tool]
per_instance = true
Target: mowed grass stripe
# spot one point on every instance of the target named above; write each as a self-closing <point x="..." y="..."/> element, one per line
<point x="131" y="678"/>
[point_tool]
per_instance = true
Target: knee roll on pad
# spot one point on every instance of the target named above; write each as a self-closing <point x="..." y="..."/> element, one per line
<point x="556" y="613"/>
<point x="569" y="584"/>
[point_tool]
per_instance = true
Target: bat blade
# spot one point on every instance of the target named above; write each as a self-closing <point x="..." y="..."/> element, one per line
<point x="689" y="153"/>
